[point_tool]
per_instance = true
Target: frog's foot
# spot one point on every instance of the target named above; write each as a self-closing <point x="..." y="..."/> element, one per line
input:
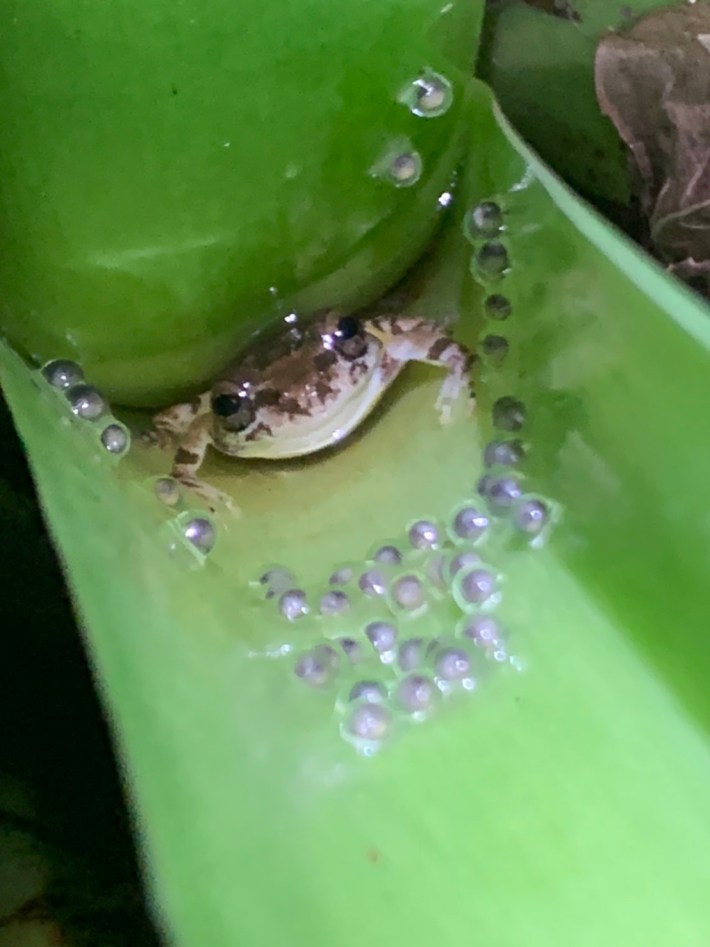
<point x="188" y="460"/>
<point x="456" y="384"/>
<point x="153" y="437"/>
<point x="173" y="423"/>
<point x="206" y="491"/>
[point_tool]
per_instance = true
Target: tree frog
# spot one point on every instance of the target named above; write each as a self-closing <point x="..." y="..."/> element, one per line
<point x="304" y="389"/>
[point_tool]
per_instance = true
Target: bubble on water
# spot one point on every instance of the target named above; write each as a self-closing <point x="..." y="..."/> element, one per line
<point x="200" y="532"/>
<point x="115" y="438"/>
<point x="484" y="220"/>
<point x="483" y="630"/>
<point x="467" y="524"/>
<point x="509" y="414"/>
<point x="429" y="96"/>
<point x="491" y="261"/>
<point x="293" y="604"/>
<point x="368" y="722"/>
<point x="408" y="592"/>
<point x="503" y="453"/>
<point x="474" y="587"/>
<point x="62" y="373"/>
<point x="416" y="694"/>
<point x="530" y="516"/>
<point x="372" y="583"/>
<point x="318" y="667"/>
<point x="424" y="534"/>
<point x="370" y="691"/>
<point x="411" y="654"/>
<point x="86" y="402"/>
<point x="494" y="348"/>
<point x="388" y="553"/>
<point x="383" y="638"/>
<point x="497" y="306"/>
<point x="501" y="492"/>
<point x="334" y="602"/>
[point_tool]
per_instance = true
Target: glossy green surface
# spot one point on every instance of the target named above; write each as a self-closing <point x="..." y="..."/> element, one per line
<point x="177" y="174"/>
<point x="566" y="804"/>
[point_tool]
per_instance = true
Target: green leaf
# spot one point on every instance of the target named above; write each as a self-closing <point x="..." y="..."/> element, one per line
<point x="565" y="803"/>
<point x="182" y="174"/>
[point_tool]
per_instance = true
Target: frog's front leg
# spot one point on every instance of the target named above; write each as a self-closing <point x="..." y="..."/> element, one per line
<point x="411" y="339"/>
<point x="189" y="458"/>
<point x="174" y="422"/>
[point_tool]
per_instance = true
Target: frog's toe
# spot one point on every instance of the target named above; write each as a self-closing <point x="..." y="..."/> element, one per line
<point x="445" y="410"/>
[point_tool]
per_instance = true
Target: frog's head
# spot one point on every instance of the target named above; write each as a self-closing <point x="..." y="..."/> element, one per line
<point x="234" y="416"/>
<point x="287" y="401"/>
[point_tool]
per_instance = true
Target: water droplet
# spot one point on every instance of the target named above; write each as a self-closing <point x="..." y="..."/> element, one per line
<point x="531" y="516"/>
<point x="115" y="438"/>
<point x="318" y="667"/>
<point x="86" y="402"/>
<point x="62" y="373"/>
<point x="293" y="604"/>
<point x="508" y="414"/>
<point x="334" y="602"/>
<point x="423" y="534"/>
<point x="494" y="348"/>
<point x="200" y="532"/>
<point x="485" y="220"/>
<point x="410" y="654"/>
<point x="468" y="524"/>
<point x="416" y="693"/>
<point x="372" y="583"/>
<point x="497" y="306"/>
<point x="453" y="664"/>
<point x="408" y="592"/>
<point x="388" y="553"/>
<point x="491" y="261"/>
<point x="167" y="491"/>
<point x="501" y="492"/>
<point x="484" y="630"/>
<point x="429" y="96"/>
<point x="474" y="586"/>
<point x="382" y="636"/>
<point x="370" y="722"/>
<point x="406" y="169"/>
<point x="370" y="691"/>
<point x="503" y="454"/>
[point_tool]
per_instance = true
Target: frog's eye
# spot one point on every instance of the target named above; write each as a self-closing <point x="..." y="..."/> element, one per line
<point x="235" y="411"/>
<point x="349" y="339"/>
<point x="347" y="328"/>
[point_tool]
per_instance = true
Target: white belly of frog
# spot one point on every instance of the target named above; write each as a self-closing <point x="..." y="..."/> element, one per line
<point x="296" y="396"/>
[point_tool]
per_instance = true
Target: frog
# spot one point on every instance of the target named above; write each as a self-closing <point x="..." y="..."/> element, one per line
<point x="301" y="390"/>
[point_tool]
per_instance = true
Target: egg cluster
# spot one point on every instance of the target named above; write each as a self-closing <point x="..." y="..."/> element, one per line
<point x="396" y="634"/>
<point x="87" y="404"/>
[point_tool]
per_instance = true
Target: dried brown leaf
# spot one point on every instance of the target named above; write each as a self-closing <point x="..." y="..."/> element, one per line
<point x="653" y="81"/>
